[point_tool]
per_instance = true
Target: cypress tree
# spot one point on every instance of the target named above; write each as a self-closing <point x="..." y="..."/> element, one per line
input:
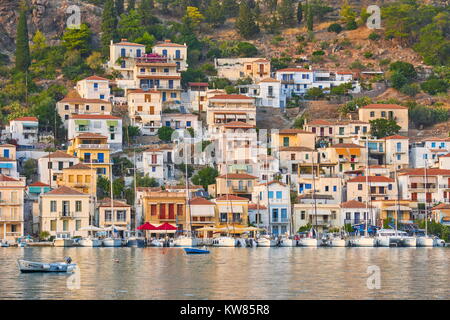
<point x="120" y="7"/>
<point x="214" y="14"/>
<point x="108" y="26"/>
<point x="287" y="12"/>
<point x="145" y="11"/>
<point x="22" y="42"/>
<point x="299" y="13"/>
<point x="310" y="20"/>
<point x="230" y="7"/>
<point x="245" y="23"/>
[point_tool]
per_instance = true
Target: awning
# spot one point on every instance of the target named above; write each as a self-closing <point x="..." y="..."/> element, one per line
<point x="6" y="165"/>
<point x="31" y="124"/>
<point x="401" y="208"/>
<point x="112" y="123"/>
<point x="202" y="210"/>
<point x="235" y="208"/>
<point x="147" y="226"/>
<point x="219" y="116"/>
<point x="82" y="122"/>
<point x="231" y="116"/>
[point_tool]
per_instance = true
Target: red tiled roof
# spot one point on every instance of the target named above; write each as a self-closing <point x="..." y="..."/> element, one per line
<point x="371" y="179"/>
<point x="238" y="124"/>
<point x="79" y="166"/>
<point x="445" y="156"/>
<point x="353" y="204"/>
<point x="82" y="100"/>
<point x="38" y="184"/>
<point x="231" y="97"/>
<point x="231" y="197"/>
<point x="383" y="106"/>
<point x="7" y="178"/>
<point x="237" y="176"/>
<point x="200" y="201"/>
<point x="255" y="206"/>
<point x="396" y="137"/>
<point x="269" y="80"/>
<point x="141" y="91"/>
<point x="294" y="131"/>
<point x="63" y="190"/>
<point x="272" y="182"/>
<point x="298" y="149"/>
<point x="441" y="206"/>
<point x="96" y="78"/>
<point x="198" y="84"/>
<point x="59" y="154"/>
<point x="106" y="202"/>
<point x="319" y="122"/>
<point x="294" y="70"/>
<point x="26" y="119"/>
<point x="168" y="43"/>
<point x="94" y="116"/>
<point x="430" y="172"/>
<point x="126" y="43"/>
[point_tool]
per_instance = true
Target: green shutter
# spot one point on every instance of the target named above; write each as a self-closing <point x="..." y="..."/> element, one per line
<point x="82" y="122"/>
<point x="112" y="123"/>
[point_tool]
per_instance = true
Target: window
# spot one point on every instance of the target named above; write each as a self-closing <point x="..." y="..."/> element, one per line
<point x="188" y="123"/>
<point x="102" y="97"/>
<point x="279" y="194"/>
<point x="50" y="164"/>
<point x="173" y="95"/>
<point x="65" y="225"/>
<point x="302" y="215"/>
<point x="223" y="217"/>
<point x="292" y="156"/>
<point x="327" y="188"/>
<point x="399" y="157"/>
<point x="270" y="194"/>
<point x="275" y="215"/>
<point x="383" y="114"/>
<point x="102" y="108"/>
<point x="112" y="136"/>
<point x="66" y="117"/>
<point x="121" y="215"/>
<point x="78" y="206"/>
<point x="53" y="206"/>
<point x="334" y="188"/>
<point x="360" y="186"/>
<point x="283" y="215"/>
<point x="108" y="215"/>
<point x="77" y="225"/>
<point x="153" y="169"/>
<point x="52" y="225"/>
<point x="285" y="141"/>
<point x="66" y="107"/>
<point x="372" y="114"/>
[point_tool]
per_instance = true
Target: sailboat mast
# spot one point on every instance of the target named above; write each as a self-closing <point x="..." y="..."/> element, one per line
<point x="112" y="195"/>
<point x="314" y="192"/>
<point x="367" y="185"/>
<point x="188" y="206"/>
<point x="397" y="198"/>
<point x="426" y="200"/>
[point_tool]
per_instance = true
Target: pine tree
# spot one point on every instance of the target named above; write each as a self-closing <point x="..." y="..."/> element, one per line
<point x="214" y="14"/>
<point x="310" y="20"/>
<point x="230" y="8"/>
<point x="22" y="42"/>
<point x="131" y="5"/>
<point x="108" y="26"/>
<point x="299" y="13"/>
<point x="245" y="23"/>
<point x="286" y="12"/>
<point x="145" y="11"/>
<point x="120" y="7"/>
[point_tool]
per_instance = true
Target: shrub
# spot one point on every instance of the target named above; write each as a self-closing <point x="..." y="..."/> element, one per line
<point x="247" y="49"/>
<point x="434" y="86"/>
<point x="357" y="65"/>
<point x="318" y="53"/>
<point x="314" y="93"/>
<point x="368" y="55"/>
<point x="427" y="116"/>
<point x="398" y="80"/>
<point x="335" y="27"/>
<point x="405" y="68"/>
<point x="351" y="25"/>
<point x="374" y="36"/>
<point x="410" y="89"/>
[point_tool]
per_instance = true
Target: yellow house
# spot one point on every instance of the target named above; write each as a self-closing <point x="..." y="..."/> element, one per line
<point x="235" y="183"/>
<point x="389" y="209"/>
<point x="64" y="211"/>
<point x="163" y="206"/>
<point x="11" y="208"/>
<point x="258" y="69"/>
<point x="233" y="212"/>
<point x="348" y="156"/>
<point x="295" y="138"/>
<point x="385" y="111"/>
<point x="81" y="177"/>
<point x="92" y="149"/>
<point x="121" y="215"/>
<point x="376" y="187"/>
<point x="203" y="213"/>
<point x="441" y="213"/>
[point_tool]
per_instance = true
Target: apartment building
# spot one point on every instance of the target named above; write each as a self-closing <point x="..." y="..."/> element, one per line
<point x="236" y="68"/>
<point x="12" y="193"/>
<point x="24" y="131"/>
<point x="366" y="188"/>
<point x="8" y="160"/>
<point x="117" y="213"/>
<point x="122" y="59"/>
<point x="385" y="111"/>
<point x="145" y="109"/>
<point x="52" y="165"/>
<point x="428" y="151"/>
<point x="174" y="52"/>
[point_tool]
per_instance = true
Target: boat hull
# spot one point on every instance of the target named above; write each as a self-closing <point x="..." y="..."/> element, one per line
<point x="424" y="242"/>
<point x="308" y="242"/>
<point x="91" y="243"/>
<point x="195" y="251"/>
<point x="288" y="243"/>
<point x="409" y="242"/>
<point x="112" y="243"/>
<point x="337" y="243"/>
<point x="63" y="243"/>
<point x="185" y="242"/>
<point x="34" y="267"/>
<point x="266" y="243"/>
<point x="383" y="241"/>
<point x="363" y="242"/>
<point x="136" y="243"/>
<point x="224" y="242"/>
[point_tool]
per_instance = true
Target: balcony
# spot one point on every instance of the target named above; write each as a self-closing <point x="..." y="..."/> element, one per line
<point x="444" y="186"/>
<point x="66" y="215"/>
<point x="422" y="187"/>
<point x="4" y="202"/>
<point x="93" y="146"/>
<point x="94" y="161"/>
<point x="239" y="189"/>
<point x="11" y="217"/>
<point x="357" y="221"/>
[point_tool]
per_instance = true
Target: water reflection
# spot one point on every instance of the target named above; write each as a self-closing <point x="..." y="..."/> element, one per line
<point x="231" y="273"/>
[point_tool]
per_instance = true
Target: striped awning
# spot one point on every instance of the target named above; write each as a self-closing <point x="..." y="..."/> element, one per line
<point x="82" y="122"/>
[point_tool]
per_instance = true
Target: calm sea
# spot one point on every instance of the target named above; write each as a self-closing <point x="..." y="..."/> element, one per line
<point x="230" y="273"/>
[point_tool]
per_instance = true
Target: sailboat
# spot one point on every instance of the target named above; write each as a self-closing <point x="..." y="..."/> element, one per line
<point x="365" y="241"/>
<point x="311" y="240"/>
<point x="112" y="241"/>
<point x="425" y="241"/>
<point x="187" y="240"/>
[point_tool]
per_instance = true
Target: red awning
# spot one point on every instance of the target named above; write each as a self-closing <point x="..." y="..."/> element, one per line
<point x="166" y="226"/>
<point x="147" y="226"/>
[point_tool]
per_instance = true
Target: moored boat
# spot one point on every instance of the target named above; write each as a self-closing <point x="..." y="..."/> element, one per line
<point x="363" y="242"/>
<point x="287" y="242"/>
<point x="224" y="242"/>
<point x="185" y="241"/>
<point x="424" y="241"/>
<point x="337" y="242"/>
<point x="112" y="242"/>
<point x="63" y="242"/>
<point x="135" y="242"/>
<point x="90" y="242"/>
<point x="266" y="241"/>
<point x="196" y="251"/>
<point x="31" y="266"/>
<point x="408" y="241"/>
<point x="308" y="242"/>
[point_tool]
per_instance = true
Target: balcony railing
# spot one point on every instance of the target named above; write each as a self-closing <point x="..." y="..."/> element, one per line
<point x="4" y="202"/>
<point x="357" y="221"/>
<point x="444" y="186"/>
<point x="239" y="189"/>
<point x="423" y="186"/>
<point x="93" y="146"/>
<point x="66" y="214"/>
<point x="9" y="217"/>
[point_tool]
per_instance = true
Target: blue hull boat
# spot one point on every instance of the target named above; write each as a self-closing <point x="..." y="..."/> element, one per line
<point x="195" y="251"/>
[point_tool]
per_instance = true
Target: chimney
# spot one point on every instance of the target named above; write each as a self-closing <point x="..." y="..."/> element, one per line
<point x="124" y="40"/>
<point x="112" y="42"/>
<point x="167" y="41"/>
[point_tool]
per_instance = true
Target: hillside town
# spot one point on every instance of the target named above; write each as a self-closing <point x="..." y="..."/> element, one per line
<point x="211" y="171"/>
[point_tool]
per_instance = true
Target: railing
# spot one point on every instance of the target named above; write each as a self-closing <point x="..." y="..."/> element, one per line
<point x="9" y="202"/>
<point x="239" y="189"/>
<point x="357" y="221"/>
<point x="78" y="129"/>
<point x="444" y="186"/>
<point x="66" y="214"/>
<point x="93" y="146"/>
<point x="10" y="217"/>
<point x="422" y="186"/>
<point x="87" y="161"/>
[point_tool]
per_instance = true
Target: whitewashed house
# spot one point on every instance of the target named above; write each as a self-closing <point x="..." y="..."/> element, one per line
<point x="24" y="131"/>
<point x="52" y="165"/>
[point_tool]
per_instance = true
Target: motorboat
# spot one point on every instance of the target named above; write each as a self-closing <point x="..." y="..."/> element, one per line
<point x="224" y="242"/>
<point x="135" y="242"/>
<point x="438" y="242"/>
<point x="185" y="241"/>
<point x="266" y="241"/>
<point x="22" y="244"/>
<point x="63" y="242"/>
<point x="196" y="251"/>
<point x="287" y="242"/>
<point x="31" y="266"/>
<point x="90" y="242"/>
<point x="363" y="242"/>
<point x="4" y="244"/>
<point x="308" y="242"/>
<point x="337" y="242"/>
<point x="240" y="242"/>
<point x="112" y="242"/>
<point x="408" y="241"/>
<point x="424" y="241"/>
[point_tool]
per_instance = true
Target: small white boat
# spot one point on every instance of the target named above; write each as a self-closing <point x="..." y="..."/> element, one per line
<point x="240" y="242"/>
<point x="31" y="266"/>
<point x="4" y="244"/>
<point x="337" y="242"/>
<point x="408" y="241"/>
<point x="63" y="242"/>
<point x="90" y="242"/>
<point x="424" y="241"/>
<point x="136" y="242"/>
<point x="308" y="242"/>
<point x="287" y="242"/>
<point x="112" y="242"/>
<point x="224" y="242"/>
<point x="382" y="241"/>
<point x="363" y="242"/>
<point x="438" y="242"/>
<point x="266" y="241"/>
<point x="185" y="241"/>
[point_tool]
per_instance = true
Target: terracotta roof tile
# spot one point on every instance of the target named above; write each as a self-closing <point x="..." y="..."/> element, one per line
<point x="7" y="178"/>
<point x="237" y="176"/>
<point x="383" y="106"/>
<point x="79" y="166"/>
<point x="59" y="154"/>
<point x="294" y="70"/>
<point x="26" y="119"/>
<point x="200" y="201"/>
<point x="255" y="206"/>
<point x="231" y="197"/>
<point x="430" y="172"/>
<point x="396" y="137"/>
<point x="106" y="202"/>
<point x="231" y="97"/>
<point x="63" y="190"/>
<point x="38" y="184"/>
<point x="96" y="78"/>
<point x="346" y="145"/>
<point x="294" y="131"/>
<point x="353" y="204"/>
<point x="371" y="179"/>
